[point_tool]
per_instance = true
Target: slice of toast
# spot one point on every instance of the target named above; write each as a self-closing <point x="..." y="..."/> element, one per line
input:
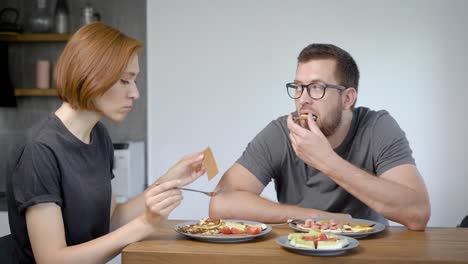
<point x="209" y="163"/>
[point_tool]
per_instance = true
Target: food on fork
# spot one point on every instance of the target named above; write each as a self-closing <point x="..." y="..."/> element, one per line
<point x="210" y="226"/>
<point x="209" y="163"/>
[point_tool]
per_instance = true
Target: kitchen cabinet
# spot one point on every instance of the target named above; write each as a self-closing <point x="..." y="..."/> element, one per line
<point x="11" y="37"/>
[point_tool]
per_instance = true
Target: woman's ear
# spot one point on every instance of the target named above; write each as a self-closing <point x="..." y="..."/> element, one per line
<point x="349" y="98"/>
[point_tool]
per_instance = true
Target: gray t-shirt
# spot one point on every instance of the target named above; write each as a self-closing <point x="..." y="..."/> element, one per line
<point x="53" y="166"/>
<point x="374" y="143"/>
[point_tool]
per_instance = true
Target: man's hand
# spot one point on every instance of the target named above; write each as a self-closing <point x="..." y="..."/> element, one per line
<point x="310" y="144"/>
<point x="187" y="170"/>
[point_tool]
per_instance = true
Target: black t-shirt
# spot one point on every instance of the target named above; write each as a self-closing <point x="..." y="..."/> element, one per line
<point x="55" y="166"/>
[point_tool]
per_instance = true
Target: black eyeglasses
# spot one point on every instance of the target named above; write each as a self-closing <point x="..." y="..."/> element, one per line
<point x="316" y="90"/>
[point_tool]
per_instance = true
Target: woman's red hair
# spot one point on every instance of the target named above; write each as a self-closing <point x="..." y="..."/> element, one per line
<point x="91" y="62"/>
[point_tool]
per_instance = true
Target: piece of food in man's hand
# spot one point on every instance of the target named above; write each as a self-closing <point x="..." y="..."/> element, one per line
<point x="301" y="117"/>
<point x="304" y="117"/>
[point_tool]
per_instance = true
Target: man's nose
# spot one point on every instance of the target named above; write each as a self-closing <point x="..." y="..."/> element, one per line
<point x="304" y="98"/>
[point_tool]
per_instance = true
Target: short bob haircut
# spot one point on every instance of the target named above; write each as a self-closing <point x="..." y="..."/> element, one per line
<point x="91" y="63"/>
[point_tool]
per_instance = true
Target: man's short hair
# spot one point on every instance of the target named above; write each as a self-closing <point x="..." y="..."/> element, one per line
<point x="347" y="72"/>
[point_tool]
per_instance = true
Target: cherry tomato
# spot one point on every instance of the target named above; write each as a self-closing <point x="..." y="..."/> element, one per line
<point x="323" y="237"/>
<point x="253" y="230"/>
<point x="226" y="230"/>
<point x="237" y="231"/>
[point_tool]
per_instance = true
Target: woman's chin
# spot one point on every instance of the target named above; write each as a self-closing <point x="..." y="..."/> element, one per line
<point x="118" y="118"/>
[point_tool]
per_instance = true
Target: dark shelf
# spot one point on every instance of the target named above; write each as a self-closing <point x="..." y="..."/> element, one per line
<point x="35" y="92"/>
<point x="33" y="37"/>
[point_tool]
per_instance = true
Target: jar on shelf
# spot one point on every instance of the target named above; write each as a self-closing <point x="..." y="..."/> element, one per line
<point x="40" y="20"/>
<point x="89" y="14"/>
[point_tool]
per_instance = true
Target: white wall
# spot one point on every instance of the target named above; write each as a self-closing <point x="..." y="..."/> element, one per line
<point x="217" y="71"/>
<point x="4" y="227"/>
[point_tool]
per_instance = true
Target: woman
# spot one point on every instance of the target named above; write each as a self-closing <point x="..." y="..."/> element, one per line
<point x="60" y="205"/>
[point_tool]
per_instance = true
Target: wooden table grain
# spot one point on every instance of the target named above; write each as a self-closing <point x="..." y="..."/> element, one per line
<point x="394" y="245"/>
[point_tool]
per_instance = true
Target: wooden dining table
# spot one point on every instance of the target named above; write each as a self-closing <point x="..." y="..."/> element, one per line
<point x="393" y="245"/>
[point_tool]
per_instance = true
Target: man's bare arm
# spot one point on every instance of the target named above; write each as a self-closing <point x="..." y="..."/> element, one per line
<point x="399" y="194"/>
<point x="242" y="200"/>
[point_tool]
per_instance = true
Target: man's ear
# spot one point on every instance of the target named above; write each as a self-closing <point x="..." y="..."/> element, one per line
<point x="349" y="98"/>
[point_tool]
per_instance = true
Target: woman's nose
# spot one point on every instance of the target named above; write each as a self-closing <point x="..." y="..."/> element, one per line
<point x="134" y="93"/>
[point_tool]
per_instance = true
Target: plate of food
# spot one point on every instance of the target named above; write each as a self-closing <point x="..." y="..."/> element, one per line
<point x="351" y="227"/>
<point x="222" y="230"/>
<point x="317" y="243"/>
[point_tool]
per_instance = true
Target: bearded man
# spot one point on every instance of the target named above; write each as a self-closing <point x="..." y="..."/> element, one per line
<point x="341" y="161"/>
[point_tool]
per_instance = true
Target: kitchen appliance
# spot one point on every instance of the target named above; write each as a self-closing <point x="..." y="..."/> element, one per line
<point x="129" y="170"/>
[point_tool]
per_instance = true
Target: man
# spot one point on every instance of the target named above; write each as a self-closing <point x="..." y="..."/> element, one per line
<point x="340" y="162"/>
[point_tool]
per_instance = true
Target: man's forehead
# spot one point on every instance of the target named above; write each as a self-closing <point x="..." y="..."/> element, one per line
<point x="316" y="70"/>
<point x="329" y="62"/>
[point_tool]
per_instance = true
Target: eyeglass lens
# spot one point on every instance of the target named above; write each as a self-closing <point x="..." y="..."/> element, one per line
<point x="315" y="90"/>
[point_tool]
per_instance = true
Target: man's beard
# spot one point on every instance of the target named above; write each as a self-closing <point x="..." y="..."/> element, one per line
<point x="330" y="124"/>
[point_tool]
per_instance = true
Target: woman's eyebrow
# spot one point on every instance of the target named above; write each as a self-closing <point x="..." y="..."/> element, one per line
<point x="129" y="74"/>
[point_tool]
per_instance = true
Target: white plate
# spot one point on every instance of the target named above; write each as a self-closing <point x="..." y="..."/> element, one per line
<point x="284" y="242"/>
<point x="378" y="227"/>
<point x="220" y="238"/>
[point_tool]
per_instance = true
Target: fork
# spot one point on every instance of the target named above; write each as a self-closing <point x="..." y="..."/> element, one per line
<point x="206" y="193"/>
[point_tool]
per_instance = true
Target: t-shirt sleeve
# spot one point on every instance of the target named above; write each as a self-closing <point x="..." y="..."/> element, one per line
<point x="36" y="177"/>
<point x="263" y="154"/>
<point x="391" y="145"/>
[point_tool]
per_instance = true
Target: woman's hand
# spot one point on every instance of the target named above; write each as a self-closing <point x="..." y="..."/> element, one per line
<point x="187" y="170"/>
<point x="160" y="200"/>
